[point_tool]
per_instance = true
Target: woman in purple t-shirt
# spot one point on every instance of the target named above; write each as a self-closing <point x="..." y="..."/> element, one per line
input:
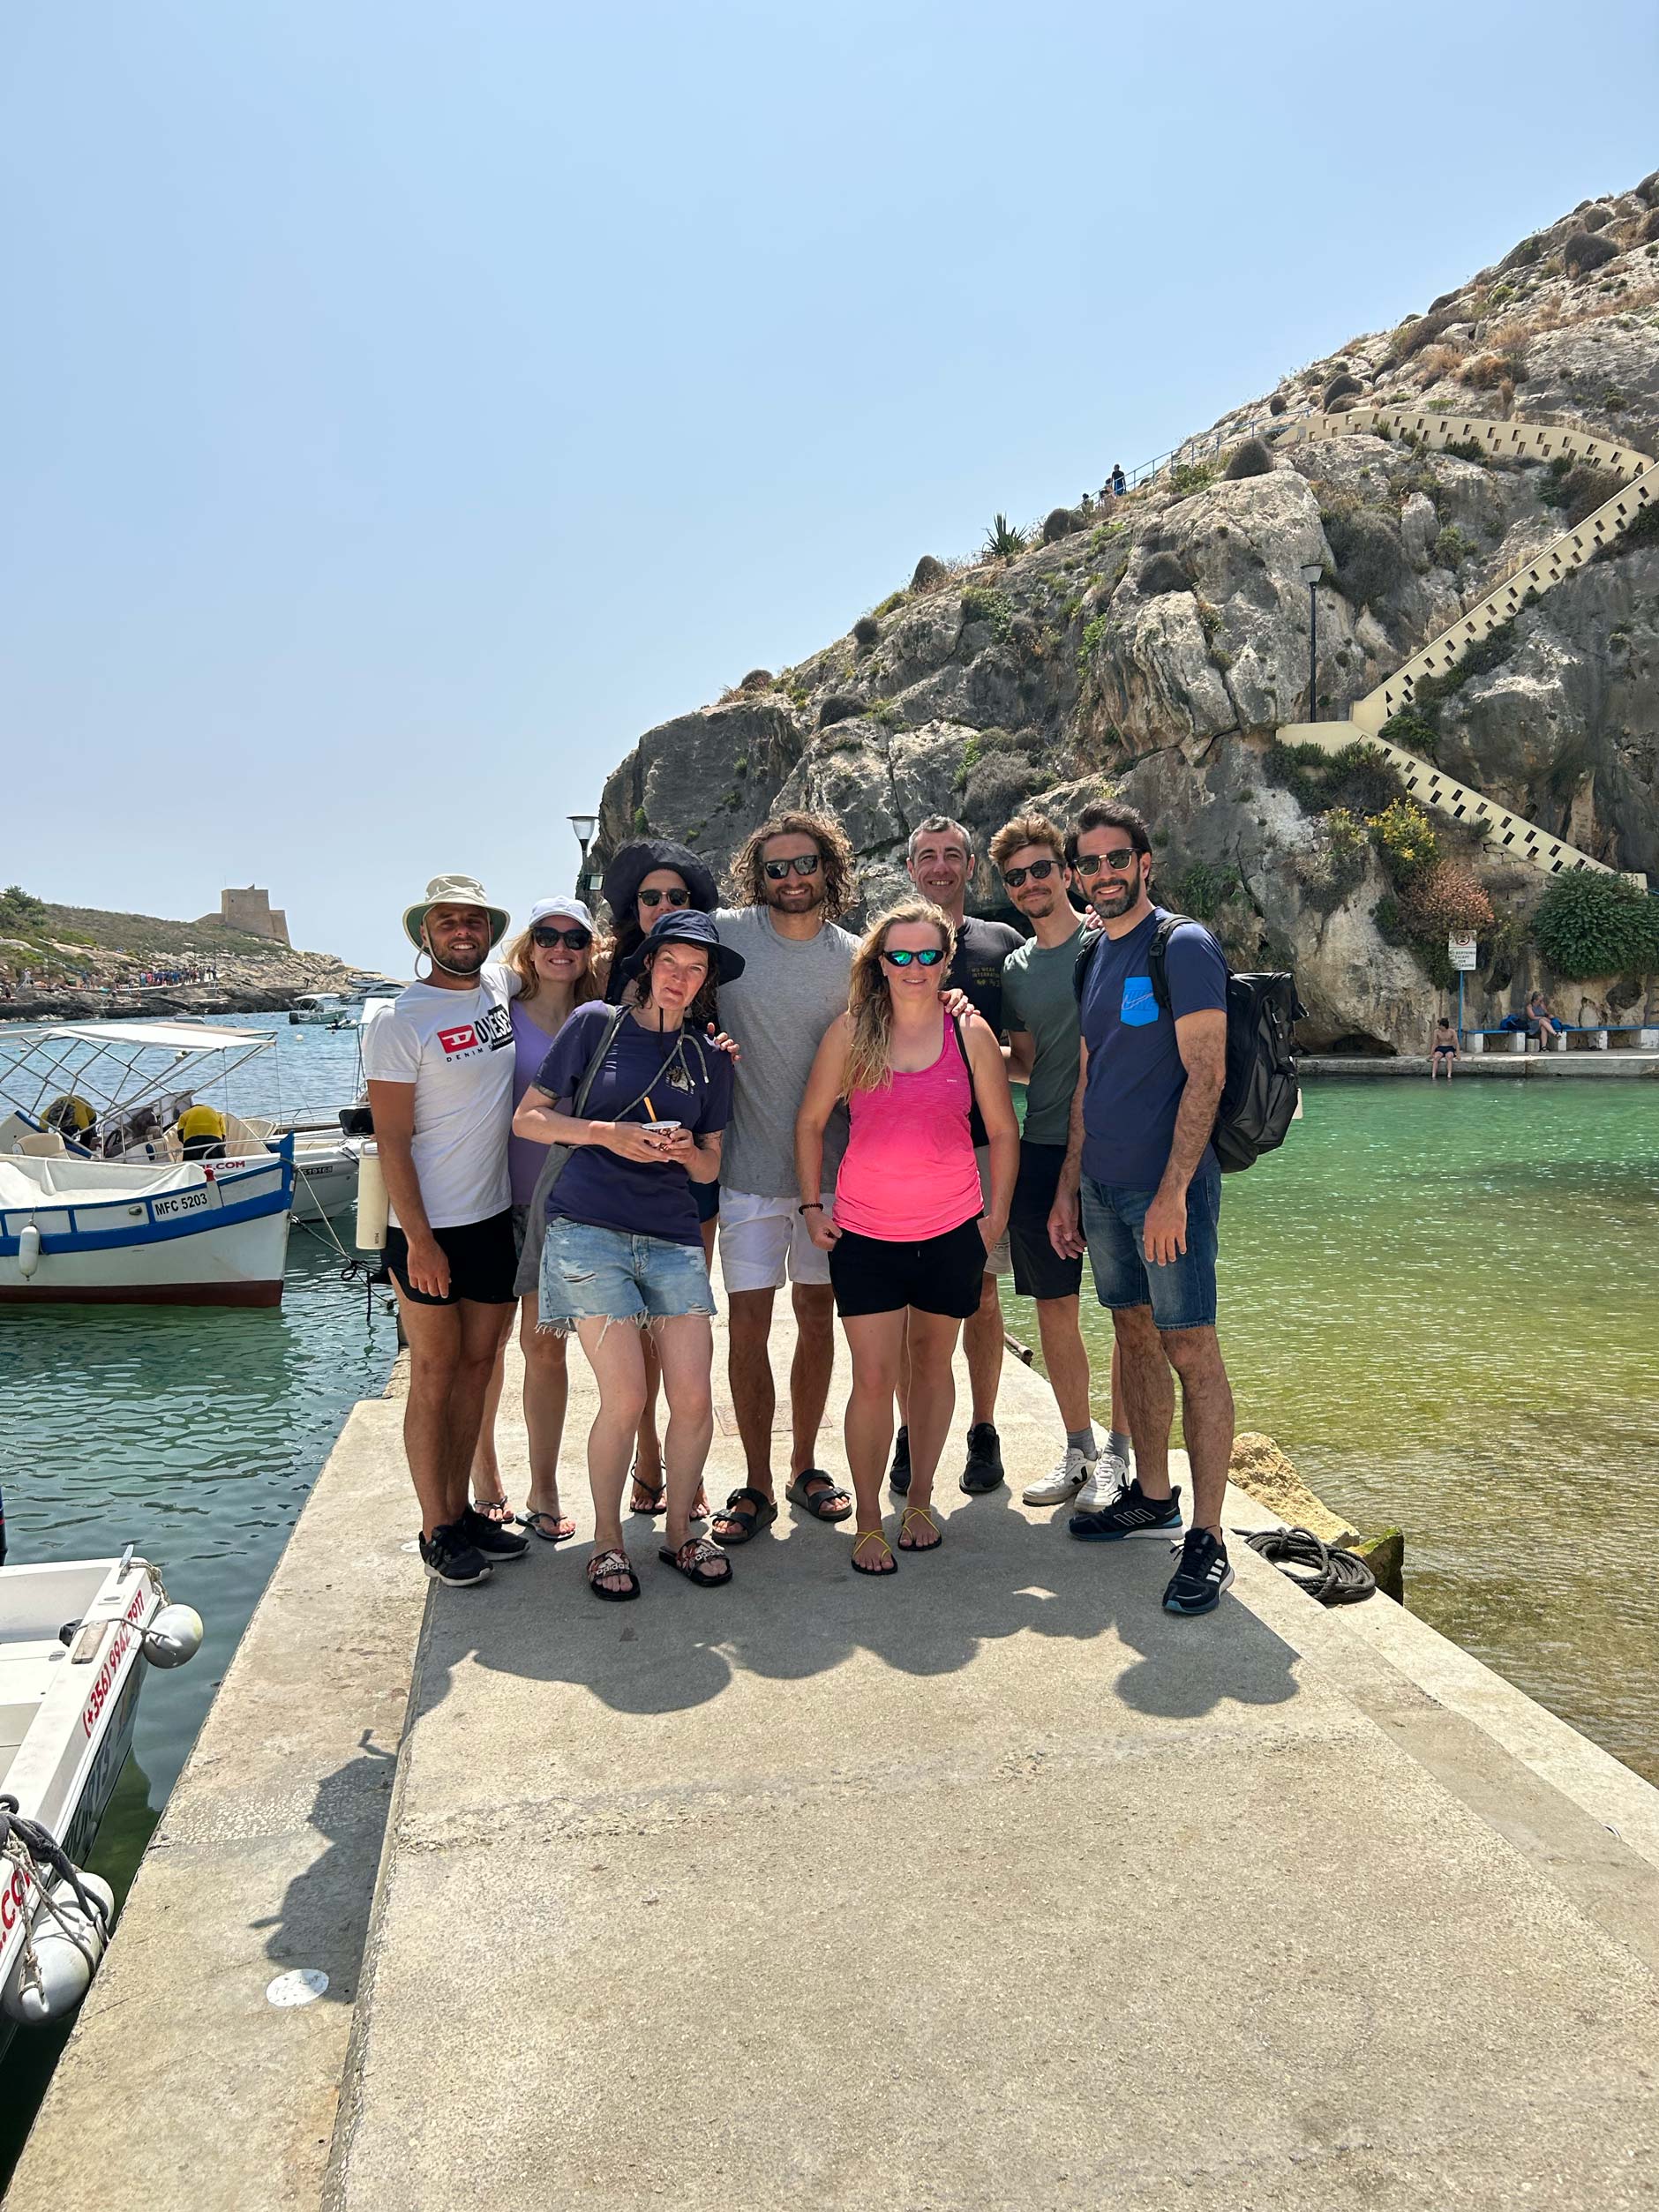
<point x="555" y="958"/>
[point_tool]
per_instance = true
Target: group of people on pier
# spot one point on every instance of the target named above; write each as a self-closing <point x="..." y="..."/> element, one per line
<point x="569" y="1128"/>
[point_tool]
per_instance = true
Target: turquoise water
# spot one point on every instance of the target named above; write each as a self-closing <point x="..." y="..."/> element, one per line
<point x="196" y="1435"/>
<point x="1444" y="1304"/>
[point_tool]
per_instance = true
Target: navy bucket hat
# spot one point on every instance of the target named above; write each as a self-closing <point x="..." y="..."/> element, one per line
<point x="635" y="862"/>
<point x="685" y="926"/>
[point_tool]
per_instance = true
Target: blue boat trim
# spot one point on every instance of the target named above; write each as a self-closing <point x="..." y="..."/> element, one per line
<point x="150" y="1231"/>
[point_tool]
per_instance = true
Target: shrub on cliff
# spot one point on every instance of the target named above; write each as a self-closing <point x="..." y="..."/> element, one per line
<point x="1524" y="255"/>
<point x="981" y="603"/>
<point x="1340" y="387"/>
<point x="1588" y="925"/>
<point x="1445" y="900"/>
<point x="1578" y="488"/>
<point x="1585" y="250"/>
<point x="865" y="632"/>
<point x="1252" y="458"/>
<point x="1059" y="522"/>
<point x="1371" y="560"/>
<point x="1404" y="840"/>
<point x="840" y="706"/>
<point x="928" y="574"/>
<point x="1412" y="337"/>
<point x="758" y="679"/>
<point x="1002" y="541"/>
<point x="1277" y="404"/>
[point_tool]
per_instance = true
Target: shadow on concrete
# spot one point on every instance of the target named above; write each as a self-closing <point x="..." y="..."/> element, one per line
<point x="795" y="1609"/>
<point x="324" y="1920"/>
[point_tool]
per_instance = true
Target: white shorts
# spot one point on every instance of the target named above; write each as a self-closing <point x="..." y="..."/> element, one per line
<point x="998" y="1261"/>
<point x="765" y="1242"/>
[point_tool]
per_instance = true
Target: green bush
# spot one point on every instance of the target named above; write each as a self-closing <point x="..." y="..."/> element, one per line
<point x="1643" y="532"/>
<point x="866" y="631"/>
<point x="927" y="573"/>
<point x="1463" y="448"/>
<point x="20" y="909"/>
<point x="1451" y="548"/>
<point x="1404" y="840"/>
<point x="1188" y="476"/>
<point x="1411" y="733"/>
<point x="641" y="825"/>
<point x="1584" y="250"/>
<point x="981" y="603"/>
<point x="1002" y="541"/>
<point x="1486" y="654"/>
<point x="1093" y="631"/>
<point x="1370" y="561"/>
<point x="1578" y="488"/>
<point x="894" y="599"/>
<point x="840" y="706"/>
<point x="1252" y="458"/>
<point x="1592" y="925"/>
<point x="1204" y="891"/>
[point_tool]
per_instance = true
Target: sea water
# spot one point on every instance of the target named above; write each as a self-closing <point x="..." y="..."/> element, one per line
<point x="1442" y="1301"/>
<point x="194" y="1433"/>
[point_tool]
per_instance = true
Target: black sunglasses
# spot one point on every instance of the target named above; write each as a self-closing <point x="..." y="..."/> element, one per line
<point x="574" y="940"/>
<point x="1040" y="871"/>
<point x="803" y="864"/>
<point x="929" y="959"/>
<point x="681" y="898"/>
<point x="1088" y="863"/>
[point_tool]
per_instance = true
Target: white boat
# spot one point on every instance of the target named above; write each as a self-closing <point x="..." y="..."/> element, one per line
<point x="74" y="1640"/>
<point x="330" y="1009"/>
<point x="185" y="1233"/>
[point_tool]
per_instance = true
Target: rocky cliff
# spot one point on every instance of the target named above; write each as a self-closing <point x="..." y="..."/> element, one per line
<point x="1154" y="643"/>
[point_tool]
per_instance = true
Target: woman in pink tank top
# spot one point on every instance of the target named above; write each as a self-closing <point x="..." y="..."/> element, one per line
<point x="907" y="1241"/>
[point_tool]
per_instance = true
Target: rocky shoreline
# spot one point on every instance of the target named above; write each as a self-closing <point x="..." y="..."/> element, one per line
<point x="154" y="1001"/>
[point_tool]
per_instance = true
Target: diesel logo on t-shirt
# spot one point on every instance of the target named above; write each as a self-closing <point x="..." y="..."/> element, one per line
<point x="490" y="1031"/>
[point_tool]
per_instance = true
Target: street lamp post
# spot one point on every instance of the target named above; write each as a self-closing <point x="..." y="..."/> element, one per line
<point x="1312" y="571"/>
<point x="584" y="826"/>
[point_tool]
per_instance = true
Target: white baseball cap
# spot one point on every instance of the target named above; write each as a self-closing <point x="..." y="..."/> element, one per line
<point x="568" y="909"/>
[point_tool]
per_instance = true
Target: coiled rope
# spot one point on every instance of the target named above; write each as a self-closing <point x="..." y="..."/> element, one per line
<point x="1336" y="1577"/>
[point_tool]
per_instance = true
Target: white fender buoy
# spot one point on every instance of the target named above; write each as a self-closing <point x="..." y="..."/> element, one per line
<point x="28" y="1249"/>
<point x="65" y="1957"/>
<point x="372" y="1205"/>
<point x="174" y="1636"/>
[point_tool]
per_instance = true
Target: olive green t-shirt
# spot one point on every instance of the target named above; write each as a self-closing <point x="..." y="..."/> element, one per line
<point x="1038" y="996"/>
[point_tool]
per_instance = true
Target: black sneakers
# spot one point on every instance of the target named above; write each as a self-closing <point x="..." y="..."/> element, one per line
<point x="450" y="1559"/>
<point x="1197" y="1585"/>
<point x="1132" y="1513"/>
<point x="490" y="1537"/>
<point x="984" y="1468"/>
<point x="898" y="1473"/>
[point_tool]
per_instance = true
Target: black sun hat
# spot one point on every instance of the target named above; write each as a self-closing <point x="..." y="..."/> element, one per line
<point x="685" y="926"/>
<point x="635" y="862"/>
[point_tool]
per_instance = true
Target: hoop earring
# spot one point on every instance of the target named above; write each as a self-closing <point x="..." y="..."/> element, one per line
<point x="419" y="978"/>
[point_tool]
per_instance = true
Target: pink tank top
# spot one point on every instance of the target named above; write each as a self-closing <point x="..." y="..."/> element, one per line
<point x="910" y="1171"/>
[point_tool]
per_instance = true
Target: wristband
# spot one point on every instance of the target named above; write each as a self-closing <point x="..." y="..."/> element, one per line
<point x="813" y="1205"/>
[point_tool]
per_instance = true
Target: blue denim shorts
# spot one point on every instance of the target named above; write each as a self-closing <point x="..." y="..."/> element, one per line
<point x="1182" y="1296"/>
<point x="590" y="1274"/>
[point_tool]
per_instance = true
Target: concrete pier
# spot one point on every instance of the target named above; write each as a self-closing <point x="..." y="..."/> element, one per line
<point x="992" y="1884"/>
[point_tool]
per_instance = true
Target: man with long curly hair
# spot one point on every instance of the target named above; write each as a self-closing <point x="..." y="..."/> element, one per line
<point x="793" y="879"/>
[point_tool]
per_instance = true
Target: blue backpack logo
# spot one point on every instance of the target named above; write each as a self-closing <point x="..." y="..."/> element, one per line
<point x="1140" y="1006"/>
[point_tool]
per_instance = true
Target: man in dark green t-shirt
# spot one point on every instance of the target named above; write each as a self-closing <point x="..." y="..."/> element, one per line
<point x="1039" y="1007"/>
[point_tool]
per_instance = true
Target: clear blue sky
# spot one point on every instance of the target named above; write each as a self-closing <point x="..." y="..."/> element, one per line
<point x="408" y="404"/>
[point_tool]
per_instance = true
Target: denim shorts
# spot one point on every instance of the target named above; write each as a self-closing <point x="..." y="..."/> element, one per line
<point x="590" y="1274"/>
<point x="1182" y="1296"/>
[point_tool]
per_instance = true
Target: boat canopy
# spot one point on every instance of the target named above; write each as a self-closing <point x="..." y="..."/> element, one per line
<point x="117" y="1068"/>
<point x="179" y="1036"/>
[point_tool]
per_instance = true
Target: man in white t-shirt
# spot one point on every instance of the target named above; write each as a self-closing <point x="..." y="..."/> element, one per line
<point x="440" y="1067"/>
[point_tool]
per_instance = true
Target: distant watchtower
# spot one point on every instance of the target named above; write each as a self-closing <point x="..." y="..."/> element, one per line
<point x="250" y="911"/>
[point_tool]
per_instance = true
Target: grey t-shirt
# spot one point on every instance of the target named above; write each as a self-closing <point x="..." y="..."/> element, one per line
<point x="1038" y="996"/>
<point x="777" y="1010"/>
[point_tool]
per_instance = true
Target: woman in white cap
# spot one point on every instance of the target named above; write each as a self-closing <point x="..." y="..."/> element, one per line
<point x="555" y="957"/>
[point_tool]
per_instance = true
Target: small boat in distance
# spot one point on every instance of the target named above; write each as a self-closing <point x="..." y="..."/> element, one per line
<point x="328" y="1009"/>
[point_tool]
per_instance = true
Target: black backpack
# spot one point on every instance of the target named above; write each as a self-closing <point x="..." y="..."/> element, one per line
<point x="1259" y="1097"/>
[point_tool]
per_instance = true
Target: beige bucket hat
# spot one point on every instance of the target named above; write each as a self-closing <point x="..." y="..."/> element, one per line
<point x="455" y="890"/>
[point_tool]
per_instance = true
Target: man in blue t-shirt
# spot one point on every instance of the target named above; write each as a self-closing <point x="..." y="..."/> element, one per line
<point x="1141" y="1191"/>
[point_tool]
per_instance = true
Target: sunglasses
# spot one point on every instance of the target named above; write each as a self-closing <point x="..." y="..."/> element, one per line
<point x="1118" y="862"/>
<point x="573" y="939"/>
<point x="1040" y="871"/>
<point x="681" y="898"/>
<point x="929" y="959"/>
<point x="803" y="864"/>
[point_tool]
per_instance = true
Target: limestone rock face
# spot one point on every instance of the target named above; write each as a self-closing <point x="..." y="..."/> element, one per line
<point x="1156" y="650"/>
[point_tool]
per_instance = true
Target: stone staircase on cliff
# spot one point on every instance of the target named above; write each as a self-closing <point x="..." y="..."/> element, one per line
<point x="1431" y="786"/>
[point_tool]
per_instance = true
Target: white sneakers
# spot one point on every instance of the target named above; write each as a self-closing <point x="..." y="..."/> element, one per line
<point x="1074" y="1470"/>
<point x="1108" y="1479"/>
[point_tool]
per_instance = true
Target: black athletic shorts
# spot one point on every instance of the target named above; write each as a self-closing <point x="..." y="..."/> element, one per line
<point x="482" y="1261"/>
<point x="1039" y="1269"/>
<point x="940" y="1275"/>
